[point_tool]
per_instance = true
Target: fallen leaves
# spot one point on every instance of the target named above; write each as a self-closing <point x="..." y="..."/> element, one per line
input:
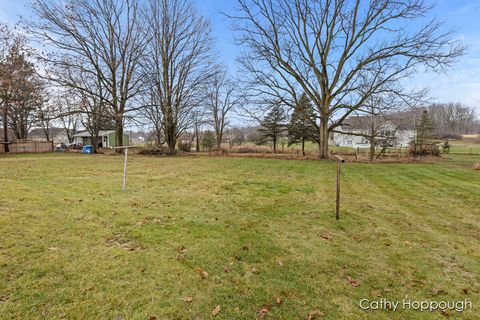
<point x="278" y="300"/>
<point x="437" y="290"/>
<point x="182" y="250"/>
<point x="263" y="311"/>
<point x="324" y="237"/>
<point x="254" y="270"/>
<point x="353" y="282"/>
<point x="4" y="298"/>
<point x="315" y="314"/>
<point x="202" y="273"/>
<point x="216" y="311"/>
<point x="187" y="299"/>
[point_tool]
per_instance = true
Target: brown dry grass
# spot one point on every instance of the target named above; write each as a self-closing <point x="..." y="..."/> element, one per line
<point x="476" y="166"/>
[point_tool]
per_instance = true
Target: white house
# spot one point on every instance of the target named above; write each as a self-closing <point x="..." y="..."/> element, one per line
<point x="354" y="129"/>
<point x="57" y="135"/>
<point x="106" y="138"/>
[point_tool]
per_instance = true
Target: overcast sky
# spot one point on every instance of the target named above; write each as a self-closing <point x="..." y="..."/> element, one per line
<point x="460" y="83"/>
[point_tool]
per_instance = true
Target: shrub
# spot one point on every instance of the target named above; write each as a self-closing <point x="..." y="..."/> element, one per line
<point x="425" y="150"/>
<point x="154" y="150"/>
<point x="185" y="146"/>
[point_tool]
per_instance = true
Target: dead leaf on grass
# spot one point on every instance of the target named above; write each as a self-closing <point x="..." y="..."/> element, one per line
<point x="278" y="300"/>
<point x="202" y="273"/>
<point x="263" y="311"/>
<point x="4" y="298"/>
<point x="182" y="250"/>
<point x="324" y="237"/>
<point x="254" y="270"/>
<point x="216" y="311"/>
<point x="187" y="299"/>
<point x="226" y="269"/>
<point x="437" y="291"/>
<point x="315" y="314"/>
<point x="353" y="282"/>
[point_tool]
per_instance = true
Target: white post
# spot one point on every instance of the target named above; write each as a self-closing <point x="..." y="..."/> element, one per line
<point x="125" y="170"/>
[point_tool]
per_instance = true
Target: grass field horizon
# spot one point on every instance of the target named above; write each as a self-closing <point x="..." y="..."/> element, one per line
<point x="245" y="234"/>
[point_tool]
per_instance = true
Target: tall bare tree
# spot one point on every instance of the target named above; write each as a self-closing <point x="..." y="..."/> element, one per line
<point x="20" y="89"/>
<point x="221" y="99"/>
<point x="338" y="52"/>
<point x="452" y="118"/>
<point x="104" y="39"/>
<point x="179" y="63"/>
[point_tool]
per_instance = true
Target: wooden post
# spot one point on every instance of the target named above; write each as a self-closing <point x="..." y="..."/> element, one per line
<point x="125" y="170"/>
<point x="337" y="208"/>
<point x="125" y="148"/>
<point x="36" y="147"/>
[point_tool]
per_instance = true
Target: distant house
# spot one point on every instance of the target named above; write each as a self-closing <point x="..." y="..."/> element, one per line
<point x="106" y="138"/>
<point x="353" y="128"/>
<point x="57" y="135"/>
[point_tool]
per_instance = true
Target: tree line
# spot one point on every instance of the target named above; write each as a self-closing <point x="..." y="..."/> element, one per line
<point x="106" y="63"/>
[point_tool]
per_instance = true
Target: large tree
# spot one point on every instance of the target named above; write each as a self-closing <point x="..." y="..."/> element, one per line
<point x="20" y="88"/>
<point x="221" y="99"/>
<point x="338" y="52"/>
<point x="103" y="39"/>
<point x="179" y="63"/>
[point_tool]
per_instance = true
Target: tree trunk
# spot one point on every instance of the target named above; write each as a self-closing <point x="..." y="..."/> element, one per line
<point x="372" y="149"/>
<point x="118" y="132"/>
<point x="219" y="141"/>
<point x="274" y="145"/>
<point x="171" y="138"/>
<point x="324" y="137"/>
<point x="5" y="128"/>
<point x="303" y="146"/>
<point x="197" y="138"/>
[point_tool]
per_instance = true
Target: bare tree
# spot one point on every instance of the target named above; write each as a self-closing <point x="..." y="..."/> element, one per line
<point x="222" y="98"/>
<point x="452" y="118"/>
<point x="338" y="52"/>
<point x="20" y="89"/>
<point x="103" y="39"/>
<point x="179" y="64"/>
<point x="68" y="110"/>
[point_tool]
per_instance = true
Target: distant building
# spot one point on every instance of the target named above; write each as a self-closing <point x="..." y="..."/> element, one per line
<point x="57" y="135"/>
<point x="106" y="138"/>
<point x="354" y="129"/>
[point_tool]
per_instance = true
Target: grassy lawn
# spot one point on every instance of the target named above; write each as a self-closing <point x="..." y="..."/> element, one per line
<point x="73" y="245"/>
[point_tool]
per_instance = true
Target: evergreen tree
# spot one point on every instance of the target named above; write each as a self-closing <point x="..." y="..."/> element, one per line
<point x="424" y="129"/>
<point x="301" y="127"/>
<point x="273" y="125"/>
<point x="208" y="140"/>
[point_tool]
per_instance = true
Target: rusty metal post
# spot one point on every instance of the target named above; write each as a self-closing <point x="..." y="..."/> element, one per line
<point x="337" y="208"/>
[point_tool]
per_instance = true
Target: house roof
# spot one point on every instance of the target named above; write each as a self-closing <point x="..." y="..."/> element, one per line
<point x="40" y="132"/>
<point x="403" y="120"/>
<point x="101" y="133"/>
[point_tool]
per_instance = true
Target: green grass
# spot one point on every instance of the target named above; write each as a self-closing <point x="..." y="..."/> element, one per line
<point x="73" y="245"/>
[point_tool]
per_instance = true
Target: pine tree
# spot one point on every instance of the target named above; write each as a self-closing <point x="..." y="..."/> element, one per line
<point x="273" y="125"/>
<point x="301" y="127"/>
<point x="424" y="129"/>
